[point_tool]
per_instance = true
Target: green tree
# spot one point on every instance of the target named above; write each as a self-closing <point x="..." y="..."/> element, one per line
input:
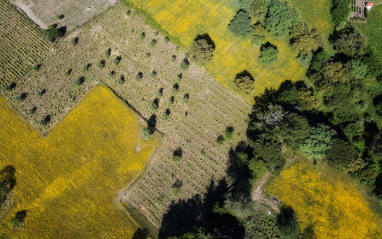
<point x="359" y="69"/>
<point x="244" y="81"/>
<point x="320" y="139"/>
<point x="268" y="53"/>
<point x="146" y="134"/>
<point x="331" y="74"/>
<point x="341" y="154"/>
<point x="279" y="17"/>
<point x="243" y="4"/>
<point x="241" y="24"/>
<point x="340" y="10"/>
<point x="259" y="33"/>
<point x="202" y="48"/>
<point x="351" y="44"/>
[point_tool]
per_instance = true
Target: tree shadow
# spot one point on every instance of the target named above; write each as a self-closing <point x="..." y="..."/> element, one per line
<point x="152" y="123"/>
<point x="140" y="234"/>
<point x="195" y="213"/>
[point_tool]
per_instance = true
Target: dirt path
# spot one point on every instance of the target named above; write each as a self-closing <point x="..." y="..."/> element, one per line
<point x="258" y="193"/>
<point x="27" y="9"/>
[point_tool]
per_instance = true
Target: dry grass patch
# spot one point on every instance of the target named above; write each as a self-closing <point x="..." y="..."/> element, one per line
<point x="68" y="181"/>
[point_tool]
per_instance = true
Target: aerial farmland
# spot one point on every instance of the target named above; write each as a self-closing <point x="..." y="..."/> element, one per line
<point x="190" y="119"/>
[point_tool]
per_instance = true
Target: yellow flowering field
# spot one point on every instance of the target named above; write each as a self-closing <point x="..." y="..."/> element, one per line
<point x="327" y="201"/>
<point x="185" y="19"/>
<point x="68" y="182"/>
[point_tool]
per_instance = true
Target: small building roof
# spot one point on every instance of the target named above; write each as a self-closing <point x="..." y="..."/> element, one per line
<point x="369" y="4"/>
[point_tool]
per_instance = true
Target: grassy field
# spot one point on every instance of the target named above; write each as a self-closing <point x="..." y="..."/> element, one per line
<point x="186" y="19"/>
<point x="327" y="201"/>
<point x="373" y="29"/>
<point x="69" y="181"/>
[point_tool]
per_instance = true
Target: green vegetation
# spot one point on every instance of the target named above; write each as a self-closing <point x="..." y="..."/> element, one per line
<point x="244" y="81"/>
<point x="340" y="10"/>
<point x="241" y="24"/>
<point x="7" y="181"/>
<point x="269" y="53"/>
<point x="202" y="49"/>
<point x="279" y="17"/>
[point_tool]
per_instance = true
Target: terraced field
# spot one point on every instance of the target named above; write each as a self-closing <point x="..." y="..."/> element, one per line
<point x="68" y="182"/>
<point x="22" y="44"/>
<point x="198" y="107"/>
<point x="185" y="20"/>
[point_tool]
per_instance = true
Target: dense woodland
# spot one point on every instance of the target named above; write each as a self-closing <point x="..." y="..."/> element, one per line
<point x="333" y="117"/>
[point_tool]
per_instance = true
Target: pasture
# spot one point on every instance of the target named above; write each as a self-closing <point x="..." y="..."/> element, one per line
<point x="69" y="181"/>
<point x="185" y="20"/>
<point x="326" y="201"/>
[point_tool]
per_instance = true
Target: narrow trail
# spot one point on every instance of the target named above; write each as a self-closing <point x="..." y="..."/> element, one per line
<point x="258" y="193"/>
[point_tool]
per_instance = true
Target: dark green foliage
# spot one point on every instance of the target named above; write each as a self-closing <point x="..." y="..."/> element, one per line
<point x="341" y="154"/>
<point x="287" y="223"/>
<point x="340" y="10"/>
<point x="269" y="53"/>
<point x="239" y="205"/>
<point x="18" y="220"/>
<point x="269" y="151"/>
<point x="108" y="52"/>
<point x="318" y="60"/>
<point x="295" y="129"/>
<point x="153" y="42"/>
<point x="7" y="181"/>
<point x="53" y="33"/>
<point x="261" y="225"/>
<point x="244" y="81"/>
<point x="74" y="41"/>
<point x="279" y="17"/>
<point x="140" y="233"/>
<point x="351" y="44"/>
<point x="202" y="48"/>
<point x="241" y="24"/>
<point x="101" y="64"/>
<point x="331" y="74"/>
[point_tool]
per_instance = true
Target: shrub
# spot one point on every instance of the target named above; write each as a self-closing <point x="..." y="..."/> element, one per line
<point x="269" y="53"/>
<point x="67" y="73"/>
<point x="60" y="17"/>
<point x="80" y="81"/>
<point x="111" y="73"/>
<point x="121" y="79"/>
<point x="101" y="64"/>
<point x="166" y="114"/>
<point x="19" y="218"/>
<point x="229" y="133"/>
<point x="279" y="17"/>
<point x="86" y="68"/>
<point x="244" y="81"/>
<point x="202" y="48"/>
<point x="186" y="98"/>
<point x="185" y="64"/>
<point x="175" y="88"/>
<point x="74" y="41"/>
<point x="241" y="24"/>
<point x="117" y="60"/>
<point x="166" y="39"/>
<point x="220" y="140"/>
<point x="173" y="58"/>
<point x="53" y="33"/>
<point x="146" y="134"/>
<point x="155" y="104"/>
<point x="139" y="76"/>
<point x="177" y="155"/>
<point x="153" y="42"/>
<point x="108" y="53"/>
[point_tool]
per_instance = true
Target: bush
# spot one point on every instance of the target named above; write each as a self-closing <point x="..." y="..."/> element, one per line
<point x="175" y="88"/>
<point x="229" y="133"/>
<point x="7" y="181"/>
<point x="139" y="76"/>
<point x="74" y="41"/>
<point x="269" y="53"/>
<point x="101" y="64"/>
<point x="177" y="155"/>
<point x="241" y="24"/>
<point x="80" y="81"/>
<point x="186" y="98"/>
<point x="244" y="81"/>
<point x="202" y="48"/>
<point x="153" y="42"/>
<point x="53" y="33"/>
<point x="279" y="17"/>
<point x="117" y="60"/>
<point x="145" y="134"/>
<point x="19" y="218"/>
